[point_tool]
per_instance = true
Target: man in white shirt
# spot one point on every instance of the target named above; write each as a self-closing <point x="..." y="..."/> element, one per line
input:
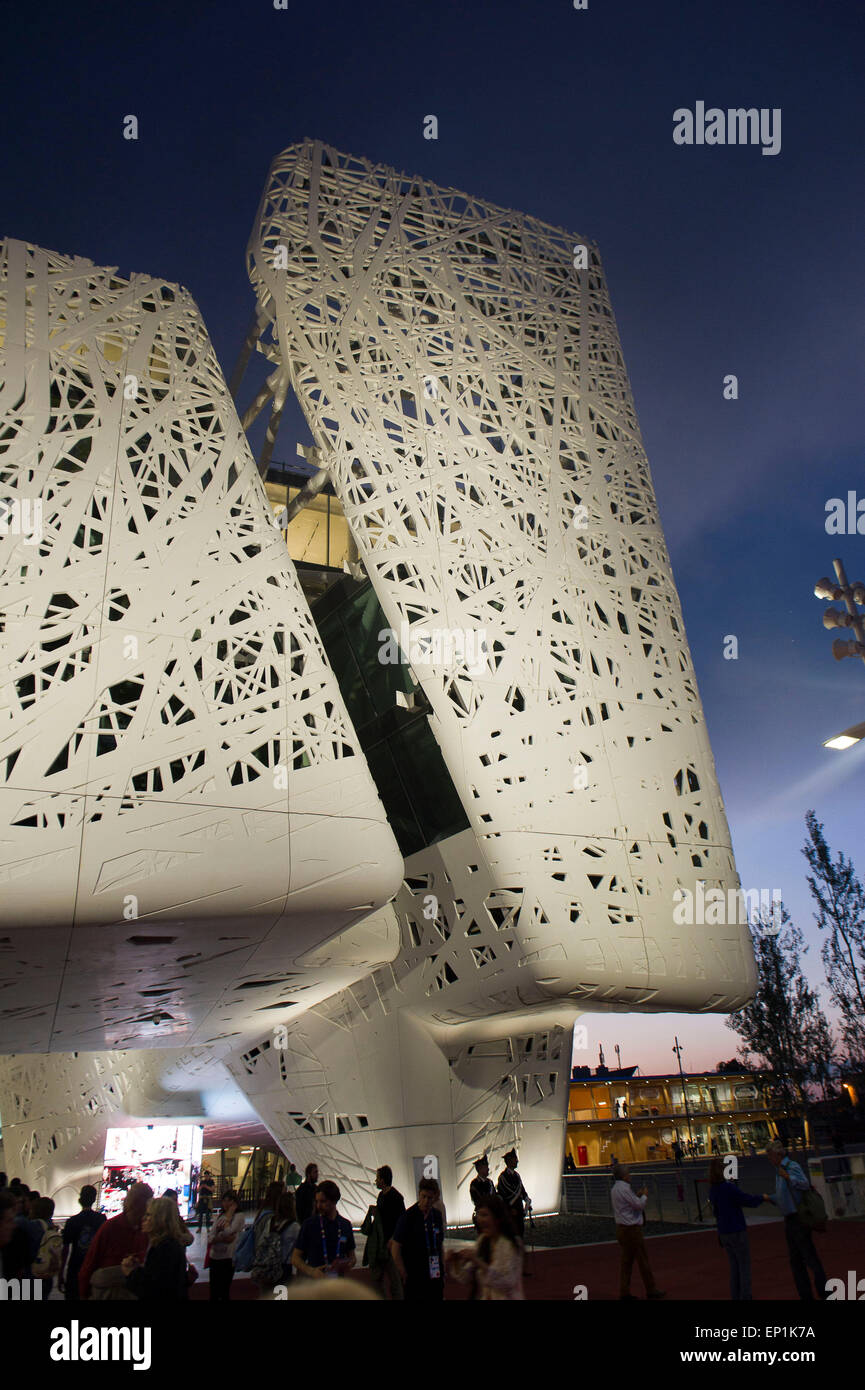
<point x="628" y="1209"/>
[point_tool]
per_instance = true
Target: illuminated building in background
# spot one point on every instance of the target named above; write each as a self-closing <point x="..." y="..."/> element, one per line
<point x="639" y="1118"/>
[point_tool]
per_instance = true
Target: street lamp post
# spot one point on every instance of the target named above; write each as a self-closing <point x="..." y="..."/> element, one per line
<point x="678" y="1051"/>
<point x="854" y="597"/>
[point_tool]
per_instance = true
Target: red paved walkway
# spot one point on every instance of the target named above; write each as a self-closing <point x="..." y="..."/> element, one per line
<point x="693" y="1266"/>
<point x="690" y="1266"/>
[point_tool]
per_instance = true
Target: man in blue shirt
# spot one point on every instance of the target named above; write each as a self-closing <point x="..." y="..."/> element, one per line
<point x="324" y="1247"/>
<point x="791" y="1185"/>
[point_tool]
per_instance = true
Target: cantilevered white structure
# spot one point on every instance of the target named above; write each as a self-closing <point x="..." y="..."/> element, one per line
<point x="196" y="855"/>
<point x="189" y="834"/>
<point x="461" y="373"/>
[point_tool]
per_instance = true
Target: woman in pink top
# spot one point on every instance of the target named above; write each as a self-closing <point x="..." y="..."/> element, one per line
<point x="496" y="1258"/>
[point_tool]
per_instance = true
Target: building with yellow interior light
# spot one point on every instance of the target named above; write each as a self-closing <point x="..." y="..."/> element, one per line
<point x="639" y="1118"/>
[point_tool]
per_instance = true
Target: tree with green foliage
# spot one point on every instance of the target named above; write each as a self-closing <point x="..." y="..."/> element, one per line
<point x="784" y="1025"/>
<point x="840" y="899"/>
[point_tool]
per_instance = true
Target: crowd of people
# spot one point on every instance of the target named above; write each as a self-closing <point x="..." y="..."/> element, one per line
<point x="728" y="1201"/>
<point x="298" y="1234"/>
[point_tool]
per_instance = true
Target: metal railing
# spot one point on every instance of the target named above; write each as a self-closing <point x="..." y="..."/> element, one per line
<point x="250" y="1197"/>
<point x="673" y="1195"/>
<point x="674" y="1110"/>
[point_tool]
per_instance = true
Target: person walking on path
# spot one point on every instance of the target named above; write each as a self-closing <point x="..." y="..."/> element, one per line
<point x="495" y="1261"/>
<point x="791" y="1185"/>
<point x="293" y="1178"/>
<point x="161" y="1276"/>
<point x="304" y="1196"/>
<point x="418" y="1246"/>
<point x="204" y="1201"/>
<point x="101" y="1273"/>
<point x="383" y="1218"/>
<point x="221" y="1245"/>
<point x="727" y="1202"/>
<point x="78" y="1232"/>
<point x="629" y="1208"/>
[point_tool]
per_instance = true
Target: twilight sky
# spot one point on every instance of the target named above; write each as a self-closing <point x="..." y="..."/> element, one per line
<point x="719" y="260"/>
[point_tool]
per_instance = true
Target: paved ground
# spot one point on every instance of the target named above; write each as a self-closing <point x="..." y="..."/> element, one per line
<point x="688" y="1266"/>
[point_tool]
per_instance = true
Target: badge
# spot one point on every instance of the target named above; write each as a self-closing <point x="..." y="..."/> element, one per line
<point x="434" y="1267"/>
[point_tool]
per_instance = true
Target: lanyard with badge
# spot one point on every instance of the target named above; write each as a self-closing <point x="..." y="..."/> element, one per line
<point x="435" y="1271"/>
<point x="330" y="1273"/>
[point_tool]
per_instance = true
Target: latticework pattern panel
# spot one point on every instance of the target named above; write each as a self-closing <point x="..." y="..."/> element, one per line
<point x="360" y="1081"/>
<point x="177" y="765"/>
<point x="56" y="1109"/>
<point x="465" y="382"/>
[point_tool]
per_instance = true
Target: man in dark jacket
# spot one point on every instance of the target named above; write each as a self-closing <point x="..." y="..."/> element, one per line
<point x="304" y="1196"/>
<point x="482" y="1185"/>
<point x="512" y="1193"/>
<point x="388" y="1209"/>
<point x="77" y="1235"/>
<point x="727" y="1202"/>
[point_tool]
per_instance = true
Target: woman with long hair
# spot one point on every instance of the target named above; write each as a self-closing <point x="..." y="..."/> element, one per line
<point x="496" y="1258"/>
<point x="727" y="1202"/>
<point x="268" y="1203"/>
<point x="221" y="1245"/>
<point x="162" y="1276"/>
<point x="278" y="1233"/>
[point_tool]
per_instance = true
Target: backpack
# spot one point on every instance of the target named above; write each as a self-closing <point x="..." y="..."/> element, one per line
<point x="244" y="1251"/>
<point x="811" y="1211"/>
<point x="267" y="1269"/>
<point x="47" y="1262"/>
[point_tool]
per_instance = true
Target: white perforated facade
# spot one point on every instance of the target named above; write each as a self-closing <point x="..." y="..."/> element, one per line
<point x="187" y="820"/>
<point x="464" y="382"/>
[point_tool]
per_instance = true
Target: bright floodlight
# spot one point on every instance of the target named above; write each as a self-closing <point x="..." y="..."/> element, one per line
<point x="825" y="588"/>
<point x="847" y="739"/>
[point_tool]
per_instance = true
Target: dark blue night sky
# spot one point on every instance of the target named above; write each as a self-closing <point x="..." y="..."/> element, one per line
<point x="719" y="260"/>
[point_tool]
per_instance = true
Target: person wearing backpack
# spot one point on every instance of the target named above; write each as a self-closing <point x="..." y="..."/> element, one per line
<point x="50" y="1253"/>
<point x="246" y="1249"/>
<point x="791" y="1187"/>
<point x="78" y="1232"/>
<point x="276" y="1235"/>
